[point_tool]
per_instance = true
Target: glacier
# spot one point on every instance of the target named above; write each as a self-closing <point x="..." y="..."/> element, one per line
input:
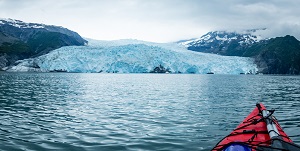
<point x="133" y="56"/>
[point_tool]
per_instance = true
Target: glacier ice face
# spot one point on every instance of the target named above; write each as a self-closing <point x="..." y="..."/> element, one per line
<point x="133" y="56"/>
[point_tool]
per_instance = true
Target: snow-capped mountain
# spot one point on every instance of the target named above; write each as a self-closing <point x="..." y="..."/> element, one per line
<point x="20" y="24"/>
<point x="133" y="56"/>
<point x="20" y="40"/>
<point x="223" y="42"/>
<point x="23" y="30"/>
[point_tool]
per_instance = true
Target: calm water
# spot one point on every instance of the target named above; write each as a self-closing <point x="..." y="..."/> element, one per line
<point x="61" y="111"/>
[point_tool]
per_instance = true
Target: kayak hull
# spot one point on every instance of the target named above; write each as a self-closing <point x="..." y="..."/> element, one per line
<point x="252" y="132"/>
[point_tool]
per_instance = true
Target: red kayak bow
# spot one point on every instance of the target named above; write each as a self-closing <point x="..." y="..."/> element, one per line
<point x="258" y="131"/>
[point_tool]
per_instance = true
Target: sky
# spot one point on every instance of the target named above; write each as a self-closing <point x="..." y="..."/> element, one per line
<point x="158" y="20"/>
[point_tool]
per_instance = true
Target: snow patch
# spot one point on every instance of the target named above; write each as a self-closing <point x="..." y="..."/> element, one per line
<point x="247" y="37"/>
<point x="221" y="39"/>
<point x="20" y="24"/>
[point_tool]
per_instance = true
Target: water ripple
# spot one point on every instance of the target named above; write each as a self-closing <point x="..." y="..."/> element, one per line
<point x="59" y="111"/>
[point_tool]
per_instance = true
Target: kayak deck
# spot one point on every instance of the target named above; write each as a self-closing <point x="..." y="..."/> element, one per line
<point x="253" y="132"/>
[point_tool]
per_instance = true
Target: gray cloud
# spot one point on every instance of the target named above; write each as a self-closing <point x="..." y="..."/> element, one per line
<point x="158" y="20"/>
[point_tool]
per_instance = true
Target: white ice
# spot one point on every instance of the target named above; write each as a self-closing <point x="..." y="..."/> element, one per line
<point x="133" y="56"/>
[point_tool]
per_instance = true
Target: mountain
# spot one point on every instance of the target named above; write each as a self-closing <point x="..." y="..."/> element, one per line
<point x="133" y="56"/>
<point x="20" y="40"/>
<point x="223" y="43"/>
<point x="278" y="55"/>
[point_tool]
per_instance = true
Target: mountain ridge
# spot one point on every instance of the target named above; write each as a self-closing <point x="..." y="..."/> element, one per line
<point x="20" y="40"/>
<point x="279" y="55"/>
<point x="220" y="42"/>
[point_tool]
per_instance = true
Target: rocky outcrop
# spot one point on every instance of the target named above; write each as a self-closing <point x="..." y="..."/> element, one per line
<point x="160" y="69"/>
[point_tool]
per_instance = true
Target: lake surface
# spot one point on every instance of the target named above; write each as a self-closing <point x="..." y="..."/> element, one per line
<point x="69" y="111"/>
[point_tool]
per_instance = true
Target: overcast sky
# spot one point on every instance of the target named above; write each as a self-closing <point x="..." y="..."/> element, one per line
<point x="158" y="20"/>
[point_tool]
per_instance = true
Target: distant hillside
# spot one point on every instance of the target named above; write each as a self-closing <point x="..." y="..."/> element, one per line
<point x="20" y="40"/>
<point x="279" y="55"/>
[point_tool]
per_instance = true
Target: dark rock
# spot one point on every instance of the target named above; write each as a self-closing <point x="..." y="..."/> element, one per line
<point x="3" y="61"/>
<point x="160" y="69"/>
<point x="58" y="70"/>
